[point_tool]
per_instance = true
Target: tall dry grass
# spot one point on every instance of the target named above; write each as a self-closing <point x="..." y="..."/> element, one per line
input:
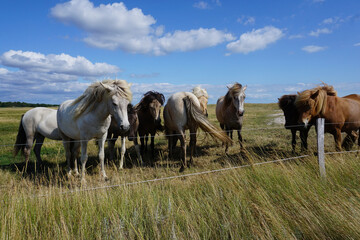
<point x="273" y="201"/>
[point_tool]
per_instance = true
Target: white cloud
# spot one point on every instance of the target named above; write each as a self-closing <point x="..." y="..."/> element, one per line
<point x="297" y="36"/>
<point x="255" y="40"/>
<point x="246" y="20"/>
<point x="113" y="26"/>
<point x="55" y="64"/>
<point x="318" y="1"/>
<point x="313" y="48"/>
<point x="357" y="44"/>
<point x="320" y="31"/>
<point x="201" y="5"/>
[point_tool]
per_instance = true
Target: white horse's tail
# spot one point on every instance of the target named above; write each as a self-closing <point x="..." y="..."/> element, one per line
<point x="20" y="139"/>
<point x="196" y="116"/>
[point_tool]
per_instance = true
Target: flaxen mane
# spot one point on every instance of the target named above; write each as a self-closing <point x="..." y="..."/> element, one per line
<point x="315" y="99"/>
<point x="96" y="92"/>
<point x="199" y="92"/>
<point x="148" y="98"/>
<point x="233" y="91"/>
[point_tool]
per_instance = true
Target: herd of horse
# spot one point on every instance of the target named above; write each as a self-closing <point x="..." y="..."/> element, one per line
<point x="104" y="112"/>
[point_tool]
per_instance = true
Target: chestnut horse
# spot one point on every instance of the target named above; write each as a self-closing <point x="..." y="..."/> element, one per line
<point x="149" y="110"/>
<point x="183" y="111"/>
<point x="342" y="114"/>
<point x="114" y="132"/>
<point x="287" y="104"/>
<point x="230" y="110"/>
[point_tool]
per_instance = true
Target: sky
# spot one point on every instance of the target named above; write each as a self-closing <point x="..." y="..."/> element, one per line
<point x="51" y="50"/>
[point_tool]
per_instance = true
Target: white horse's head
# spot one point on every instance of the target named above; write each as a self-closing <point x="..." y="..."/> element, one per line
<point x="118" y="101"/>
<point x="237" y="95"/>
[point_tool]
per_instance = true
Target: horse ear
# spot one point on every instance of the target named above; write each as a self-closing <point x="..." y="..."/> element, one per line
<point x="314" y="95"/>
<point x="107" y="87"/>
<point x="298" y="93"/>
<point x="130" y="84"/>
<point x="244" y="88"/>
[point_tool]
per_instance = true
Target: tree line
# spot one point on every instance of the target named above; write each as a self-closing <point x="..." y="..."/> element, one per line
<point x="24" y="104"/>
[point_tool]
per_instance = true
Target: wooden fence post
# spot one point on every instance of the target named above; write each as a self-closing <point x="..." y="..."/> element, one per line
<point x="320" y="123"/>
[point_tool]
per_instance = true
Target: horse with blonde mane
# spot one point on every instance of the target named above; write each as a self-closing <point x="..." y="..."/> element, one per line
<point x="183" y="111"/>
<point x="342" y="114"/>
<point x="89" y="116"/>
<point x="230" y="111"/>
<point x="203" y="97"/>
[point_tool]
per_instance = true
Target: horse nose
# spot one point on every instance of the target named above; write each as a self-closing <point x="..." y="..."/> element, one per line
<point x="241" y="112"/>
<point x="124" y="127"/>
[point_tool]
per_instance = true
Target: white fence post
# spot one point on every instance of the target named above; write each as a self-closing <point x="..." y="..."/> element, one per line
<point x="320" y="123"/>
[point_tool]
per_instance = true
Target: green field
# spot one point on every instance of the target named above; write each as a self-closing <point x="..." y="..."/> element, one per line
<point x="286" y="200"/>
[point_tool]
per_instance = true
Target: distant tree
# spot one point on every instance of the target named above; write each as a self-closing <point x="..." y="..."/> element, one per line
<point x="24" y="104"/>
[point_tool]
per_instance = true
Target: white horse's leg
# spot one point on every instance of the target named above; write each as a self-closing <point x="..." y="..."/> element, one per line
<point x="123" y="149"/>
<point x="84" y="158"/>
<point x="183" y="146"/>
<point x="101" y="143"/>
<point x="74" y="156"/>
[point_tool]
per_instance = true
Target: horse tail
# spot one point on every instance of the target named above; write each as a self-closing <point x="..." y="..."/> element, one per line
<point x="196" y="116"/>
<point x="20" y="139"/>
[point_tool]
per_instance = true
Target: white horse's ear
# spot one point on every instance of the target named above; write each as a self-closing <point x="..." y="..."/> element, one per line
<point x="130" y="84"/>
<point x="244" y="88"/>
<point x="107" y="87"/>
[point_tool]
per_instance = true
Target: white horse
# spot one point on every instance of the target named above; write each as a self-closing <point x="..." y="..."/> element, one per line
<point x="183" y="111"/>
<point x="89" y="116"/>
<point x="230" y="110"/>
<point x="36" y="125"/>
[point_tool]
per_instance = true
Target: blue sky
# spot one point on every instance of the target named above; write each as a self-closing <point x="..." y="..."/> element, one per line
<point x="50" y="51"/>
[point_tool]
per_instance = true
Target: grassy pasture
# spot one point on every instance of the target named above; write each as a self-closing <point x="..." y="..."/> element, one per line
<point x="273" y="201"/>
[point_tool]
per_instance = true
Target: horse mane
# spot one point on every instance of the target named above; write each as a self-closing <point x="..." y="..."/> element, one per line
<point x="233" y="91"/>
<point x="148" y="98"/>
<point x="96" y="92"/>
<point x="199" y="92"/>
<point x="315" y="99"/>
<point x="285" y="100"/>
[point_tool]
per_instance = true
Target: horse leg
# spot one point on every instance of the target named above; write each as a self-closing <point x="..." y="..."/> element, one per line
<point x="101" y="143"/>
<point x="146" y="141"/>
<point x="84" y="158"/>
<point x="111" y="146"/>
<point x="293" y="139"/>
<point x="142" y="139"/>
<point x="123" y="149"/>
<point x="192" y="145"/>
<point x="170" y="143"/>
<point x="337" y="138"/>
<point x="37" y="149"/>
<point x="152" y="145"/>
<point x="137" y="149"/>
<point x="67" y="147"/>
<point x="183" y="147"/>
<point x="75" y="150"/>
<point x="240" y="138"/>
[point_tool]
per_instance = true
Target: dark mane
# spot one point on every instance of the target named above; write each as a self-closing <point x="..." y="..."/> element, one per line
<point x="148" y="98"/>
<point x="285" y="100"/>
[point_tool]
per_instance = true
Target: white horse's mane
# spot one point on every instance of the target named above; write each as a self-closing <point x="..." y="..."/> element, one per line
<point x="96" y="92"/>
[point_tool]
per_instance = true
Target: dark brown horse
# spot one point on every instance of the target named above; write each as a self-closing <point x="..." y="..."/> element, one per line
<point x="342" y="114"/>
<point x="114" y="132"/>
<point x="287" y="104"/>
<point x="148" y="110"/>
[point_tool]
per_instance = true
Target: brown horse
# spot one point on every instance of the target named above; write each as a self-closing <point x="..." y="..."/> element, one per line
<point x="114" y="132"/>
<point x="342" y="114"/>
<point x="149" y="110"/>
<point x="181" y="112"/>
<point x="287" y="104"/>
<point x="230" y="110"/>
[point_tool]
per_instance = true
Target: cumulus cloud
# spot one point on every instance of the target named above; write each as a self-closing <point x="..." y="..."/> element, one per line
<point x="320" y="31"/>
<point x="255" y="40"/>
<point x="47" y="78"/>
<point x="297" y="36"/>
<point x="313" y="48"/>
<point x="55" y="64"/>
<point x="113" y="26"/>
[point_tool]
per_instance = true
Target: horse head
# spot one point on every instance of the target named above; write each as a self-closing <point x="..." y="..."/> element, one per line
<point x="119" y="97"/>
<point x="236" y="95"/>
<point x="287" y="104"/>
